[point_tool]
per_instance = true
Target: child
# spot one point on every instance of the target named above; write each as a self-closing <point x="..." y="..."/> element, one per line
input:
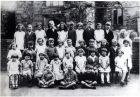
<point x="29" y="36"/>
<point x="40" y="48"/>
<point x="104" y="66"/>
<point x="51" y="50"/>
<point x="67" y="60"/>
<point x="41" y="63"/>
<point x="91" y="74"/>
<point x="56" y="68"/>
<point x="60" y="50"/>
<point x="79" y="33"/>
<point x="82" y="45"/>
<point x="63" y="33"/>
<point x="128" y="55"/>
<point x="99" y="34"/>
<point x="13" y="70"/>
<point x="19" y="37"/>
<point x="92" y="46"/>
<point x="121" y="66"/>
<point x="80" y="60"/>
<point x="113" y="54"/>
<point x="47" y="80"/>
<point x="27" y="69"/>
<point x="40" y="33"/>
<point x="14" y="50"/>
<point x="70" y="79"/>
<point x="70" y="48"/>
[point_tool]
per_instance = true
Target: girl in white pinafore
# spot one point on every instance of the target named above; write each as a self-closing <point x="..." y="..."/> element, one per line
<point x="60" y="50"/>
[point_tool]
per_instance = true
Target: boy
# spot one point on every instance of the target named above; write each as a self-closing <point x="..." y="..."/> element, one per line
<point x="82" y="45"/>
<point x="27" y="69"/>
<point x="70" y="79"/>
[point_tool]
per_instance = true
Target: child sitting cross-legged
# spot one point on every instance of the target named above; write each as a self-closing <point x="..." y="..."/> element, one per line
<point x="70" y="79"/>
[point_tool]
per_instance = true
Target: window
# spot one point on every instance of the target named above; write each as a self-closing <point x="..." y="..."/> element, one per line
<point x="54" y="3"/>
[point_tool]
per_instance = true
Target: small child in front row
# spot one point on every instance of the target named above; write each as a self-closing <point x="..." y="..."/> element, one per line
<point x="41" y="63"/>
<point x="121" y="66"/>
<point x="104" y="66"/>
<point x="56" y="69"/>
<point x="47" y="80"/>
<point x="27" y="69"/>
<point x="80" y="60"/>
<point x="70" y="79"/>
<point x="91" y="74"/>
<point x="13" y="67"/>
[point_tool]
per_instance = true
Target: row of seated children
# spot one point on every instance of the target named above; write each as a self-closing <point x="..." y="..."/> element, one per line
<point x="87" y="62"/>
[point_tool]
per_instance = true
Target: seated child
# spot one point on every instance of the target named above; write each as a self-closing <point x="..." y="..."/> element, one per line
<point x="47" y="80"/>
<point x="104" y="66"/>
<point x="50" y="50"/>
<point x="82" y="45"/>
<point x="70" y="79"/>
<point x="70" y="48"/>
<point x="67" y="60"/>
<point x="60" y="50"/>
<point x="14" y="50"/>
<point x="121" y="66"/>
<point x="27" y="69"/>
<point x="91" y="74"/>
<point x="41" y="63"/>
<point x="80" y="60"/>
<point x="56" y="69"/>
<point x="13" y="71"/>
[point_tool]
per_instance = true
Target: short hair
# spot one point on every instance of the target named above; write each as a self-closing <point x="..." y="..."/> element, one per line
<point x="14" y="56"/>
<point x="18" y="25"/>
<point x="99" y="24"/>
<point x="27" y="54"/>
<point x="41" y="54"/>
<point x="65" y="26"/>
<point x="30" y="43"/>
<point x="40" y="39"/>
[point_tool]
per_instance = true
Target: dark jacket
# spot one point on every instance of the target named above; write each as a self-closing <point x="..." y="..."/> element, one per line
<point x="109" y="36"/>
<point x="72" y="36"/>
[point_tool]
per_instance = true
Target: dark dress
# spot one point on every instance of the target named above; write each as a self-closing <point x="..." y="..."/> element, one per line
<point x="29" y="37"/>
<point x="89" y="49"/>
<point x="52" y="34"/>
<point x="88" y="34"/>
<point x="72" y="36"/>
<point x="109" y="37"/>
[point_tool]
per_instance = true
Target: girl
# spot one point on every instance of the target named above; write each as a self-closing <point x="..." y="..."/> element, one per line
<point x="79" y="33"/>
<point x="70" y="48"/>
<point x="82" y="45"/>
<point x="104" y="66"/>
<point x="60" y="50"/>
<point x="121" y="66"/>
<point x="67" y="60"/>
<point x="99" y="34"/>
<point x="13" y="70"/>
<point x="56" y="69"/>
<point x="19" y="37"/>
<point x="40" y="33"/>
<point x="63" y="33"/>
<point x="40" y="48"/>
<point x="14" y="50"/>
<point x="80" y="64"/>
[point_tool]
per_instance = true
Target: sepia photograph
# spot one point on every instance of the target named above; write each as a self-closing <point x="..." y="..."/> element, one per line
<point x="69" y="48"/>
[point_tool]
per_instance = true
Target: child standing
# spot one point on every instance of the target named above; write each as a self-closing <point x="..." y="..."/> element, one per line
<point x="27" y="69"/>
<point x="40" y="33"/>
<point x="121" y="66"/>
<point x="79" y="33"/>
<point x="19" y="37"/>
<point x="67" y="60"/>
<point x="63" y="33"/>
<point x="70" y="79"/>
<point x="51" y="50"/>
<point x="14" y="50"/>
<point x="70" y="48"/>
<point x="60" y="50"/>
<point x="104" y="66"/>
<point x="80" y="60"/>
<point x="13" y="70"/>
<point x="56" y="68"/>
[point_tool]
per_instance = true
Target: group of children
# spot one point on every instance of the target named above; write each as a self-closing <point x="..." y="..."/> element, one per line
<point x="39" y="61"/>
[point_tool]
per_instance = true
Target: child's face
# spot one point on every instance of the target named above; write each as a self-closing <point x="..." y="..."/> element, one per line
<point x="29" y="28"/>
<point x="126" y="44"/>
<point x="114" y="43"/>
<point x="103" y="42"/>
<point x="51" y="43"/>
<point x="107" y="26"/>
<point x="42" y="57"/>
<point x="120" y="54"/>
<point x="79" y="27"/>
<point x="39" y="27"/>
<point x="99" y="26"/>
<point x="55" y="59"/>
<point x="81" y="43"/>
<point x="27" y="58"/>
<point x="40" y="41"/>
<point x="69" y="43"/>
<point x="30" y="46"/>
<point x="104" y="53"/>
<point x="91" y="43"/>
<point x="68" y="55"/>
<point x="70" y="68"/>
<point x="60" y="44"/>
<point x="14" y="59"/>
<point x="62" y="26"/>
<point x="80" y="53"/>
<point x="92" y="54"/>
<point x="14" y="46"/>
<point x="20" y="28"/>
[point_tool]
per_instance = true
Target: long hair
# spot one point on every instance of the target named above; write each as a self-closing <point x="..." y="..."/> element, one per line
<point x="65" y="27"/>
